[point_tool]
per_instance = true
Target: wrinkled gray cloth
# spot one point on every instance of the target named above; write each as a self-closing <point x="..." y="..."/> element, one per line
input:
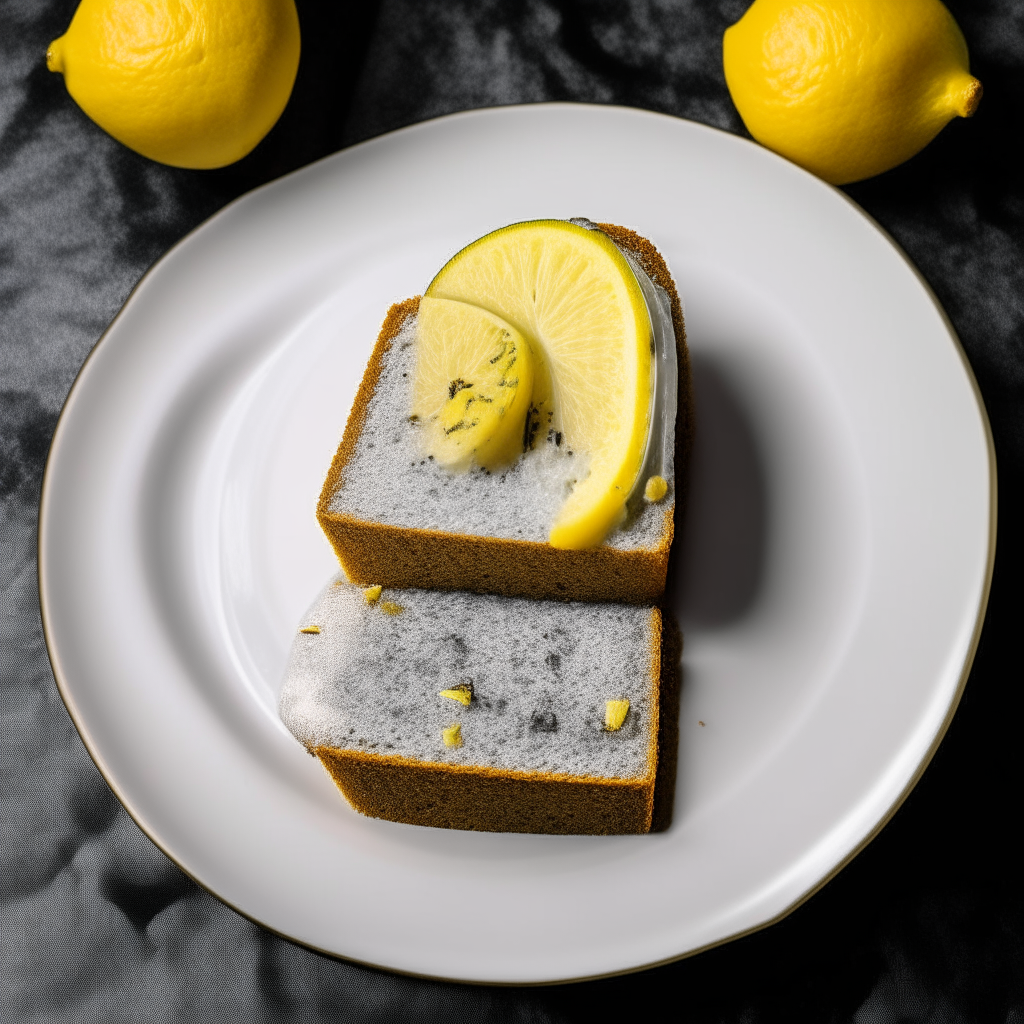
<point x="96" y="925"/>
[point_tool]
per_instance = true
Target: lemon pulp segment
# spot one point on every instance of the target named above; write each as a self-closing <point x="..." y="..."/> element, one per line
<point x="571" y="293"/>
<point x="471" y="386"/>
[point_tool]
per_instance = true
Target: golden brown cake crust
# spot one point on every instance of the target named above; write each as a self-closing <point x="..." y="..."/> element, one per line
<point x="486" y="800"/>
<point x="396" y="317"/>
<point x="372" y="553"/>
<point x="497" y="800"/>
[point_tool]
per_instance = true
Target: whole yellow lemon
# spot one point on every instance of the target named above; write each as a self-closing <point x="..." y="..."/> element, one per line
<point x="192" y="83"/>
<point x="848" y="88"/>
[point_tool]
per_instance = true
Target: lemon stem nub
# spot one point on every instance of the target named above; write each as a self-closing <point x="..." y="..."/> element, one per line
<point x="55" y="55"/>
<point x="969" y="98"/>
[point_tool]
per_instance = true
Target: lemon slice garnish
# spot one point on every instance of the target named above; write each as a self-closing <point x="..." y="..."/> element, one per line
<point x="571" y="293"/>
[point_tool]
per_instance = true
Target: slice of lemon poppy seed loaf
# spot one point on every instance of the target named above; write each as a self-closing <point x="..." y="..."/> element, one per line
<point x="481" y="712"/>
<point x="536" y="471"/>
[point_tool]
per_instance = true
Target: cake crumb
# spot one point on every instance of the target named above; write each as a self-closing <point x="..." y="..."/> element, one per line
<point x="390" y="608"/>
<point x="615" y="712"/>
<point x="310" y="629"/>
<point x="452" y="736"/>
<point x="656" y="488"/>
<point x="372" y="593"/>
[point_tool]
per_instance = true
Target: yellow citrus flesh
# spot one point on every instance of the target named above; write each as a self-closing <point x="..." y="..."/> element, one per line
<point x="192" y="84"/>
<point x="848" y="88"/>
<point x="471" y="386"/>
<point x="573" y="296"/>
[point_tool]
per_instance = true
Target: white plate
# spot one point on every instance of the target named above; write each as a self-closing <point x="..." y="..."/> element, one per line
<point x="836" y="557"/>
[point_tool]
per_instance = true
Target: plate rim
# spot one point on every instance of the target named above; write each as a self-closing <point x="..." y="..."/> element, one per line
<point x="484" y="112"/>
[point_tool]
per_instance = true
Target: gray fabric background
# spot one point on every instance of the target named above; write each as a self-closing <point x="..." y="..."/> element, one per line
<point x="96" y="925"/>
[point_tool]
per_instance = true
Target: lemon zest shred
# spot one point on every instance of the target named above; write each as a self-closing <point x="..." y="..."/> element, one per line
<point x="615" y="712"/>
<point x="463" y="694"/>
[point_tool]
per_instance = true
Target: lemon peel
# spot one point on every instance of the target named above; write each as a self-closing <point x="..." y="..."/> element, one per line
<point x="848" y="88"/>
<point x="194" y="84"/>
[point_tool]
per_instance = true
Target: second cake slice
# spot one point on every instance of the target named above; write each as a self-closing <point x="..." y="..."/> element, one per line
<point x="481" y="712"/>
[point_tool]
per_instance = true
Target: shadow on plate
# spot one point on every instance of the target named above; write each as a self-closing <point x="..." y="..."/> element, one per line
<point x="717" y="564"/>
<point x="670" y="688"/>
